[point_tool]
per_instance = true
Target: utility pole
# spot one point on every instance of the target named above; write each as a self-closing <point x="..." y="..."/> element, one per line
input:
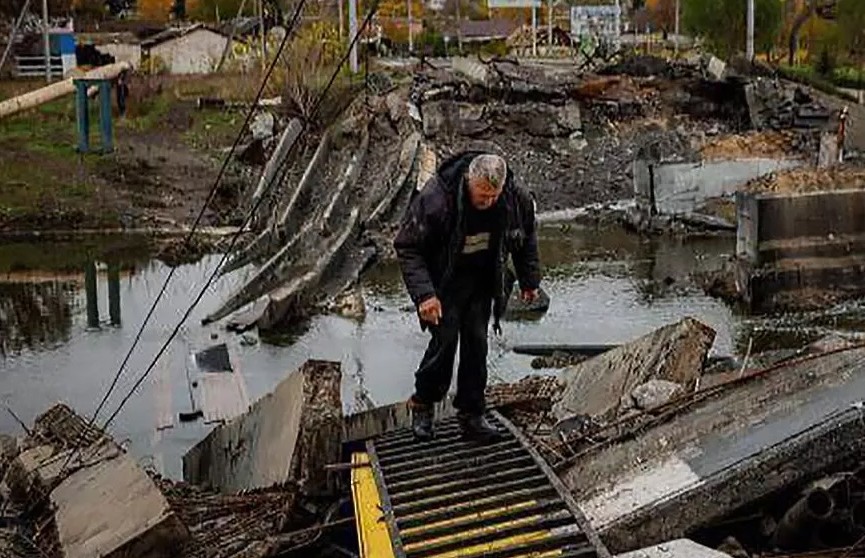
<point x="534" y="30"/>
<point x="459" y="29"/>
<point x="339" y="9"/>
<point x="410" y="35"/>
<point x="676" y="40"/>
<point x="750" y="44"/>
<point x="550" y="26"/>
<point x="352" y="33"/>
<point x="47" y="41"/>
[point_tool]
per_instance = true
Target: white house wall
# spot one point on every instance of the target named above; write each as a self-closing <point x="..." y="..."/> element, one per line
<point x="123" y="52"/>
<point x="195" y="53"/>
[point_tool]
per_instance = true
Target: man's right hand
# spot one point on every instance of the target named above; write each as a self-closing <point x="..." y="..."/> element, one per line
<point x="430" y="310"/>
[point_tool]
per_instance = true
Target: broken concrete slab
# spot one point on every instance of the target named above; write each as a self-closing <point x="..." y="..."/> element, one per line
<point x="112" y="508"/>
<point x="675" y="352"/>
<point x="475" y="70"/>
<point x="681" y="548"/>
<point x="696" y="463"/>
<point x="288" y="435"/>
<point x="91" y="500"/>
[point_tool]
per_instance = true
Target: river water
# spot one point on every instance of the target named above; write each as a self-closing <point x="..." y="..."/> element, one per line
<point x="606" y="287"/>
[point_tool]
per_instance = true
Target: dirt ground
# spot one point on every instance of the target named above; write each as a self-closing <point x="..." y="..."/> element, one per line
<point x="167" y="156"/>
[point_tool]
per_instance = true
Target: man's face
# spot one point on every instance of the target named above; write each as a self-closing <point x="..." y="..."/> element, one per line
<point x="482" y="194"/>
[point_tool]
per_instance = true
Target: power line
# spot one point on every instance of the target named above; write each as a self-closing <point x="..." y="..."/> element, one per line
<point x="211" y="194"/>
<point x="250" y="214"/>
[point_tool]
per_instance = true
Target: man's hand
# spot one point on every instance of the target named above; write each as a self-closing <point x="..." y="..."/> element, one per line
<point x="529" y="295"/>
<point x="430" y="310"/>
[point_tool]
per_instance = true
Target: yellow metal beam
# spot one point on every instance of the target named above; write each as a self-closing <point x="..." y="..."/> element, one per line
<point x="372" y="533"/>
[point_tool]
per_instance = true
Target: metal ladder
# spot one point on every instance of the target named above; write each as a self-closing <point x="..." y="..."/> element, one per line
<point x="450" y="498"/>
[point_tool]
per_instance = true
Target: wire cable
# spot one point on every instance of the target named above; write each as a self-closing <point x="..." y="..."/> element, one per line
<point x="252" y="212"/>
<point x="211" y="194"/>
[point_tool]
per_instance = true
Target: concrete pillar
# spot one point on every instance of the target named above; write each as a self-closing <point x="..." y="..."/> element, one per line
<point x="114" y="293"/>
<point x="91" y="295"/>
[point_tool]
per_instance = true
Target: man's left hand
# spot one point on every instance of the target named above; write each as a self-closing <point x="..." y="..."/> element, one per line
<point x="529" y="295"/>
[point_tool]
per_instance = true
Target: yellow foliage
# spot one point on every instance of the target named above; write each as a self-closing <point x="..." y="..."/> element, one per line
<point x="155" y="10"/>
<point x="399" y="8"/>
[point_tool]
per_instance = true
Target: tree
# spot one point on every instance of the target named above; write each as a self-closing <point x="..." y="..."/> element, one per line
<point x="722" y="23"/>
<point x="662" y="14"/>
<point x="851" y="27"/>
<point x="155" y="10"/>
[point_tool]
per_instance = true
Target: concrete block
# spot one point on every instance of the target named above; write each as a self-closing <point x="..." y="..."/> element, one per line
<point x="730" y="447"/>
<point x="111" y="508"/>
<point x="681" y="548"/>
<point x="655" y="393"/>
<point x="716" y="68"/>
<point x="473" y="69"/>
<point x="683" y="187"/>
<point x="288" y="435"/>
<point x="675" y="352"/>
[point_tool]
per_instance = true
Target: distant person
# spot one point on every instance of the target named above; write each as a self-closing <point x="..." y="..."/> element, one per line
<point x="453" y="248"/>
<point x="122" y="91"/>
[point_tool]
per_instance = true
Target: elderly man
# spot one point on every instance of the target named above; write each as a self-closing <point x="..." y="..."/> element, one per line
<point x="453" y="250"/>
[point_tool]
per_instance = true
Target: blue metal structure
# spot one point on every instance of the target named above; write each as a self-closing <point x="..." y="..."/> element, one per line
<point x="82" y="113"/>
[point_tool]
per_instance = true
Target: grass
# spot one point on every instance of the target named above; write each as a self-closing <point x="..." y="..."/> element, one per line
<point x="41" y="172"/>
<point x="808" y="76"/>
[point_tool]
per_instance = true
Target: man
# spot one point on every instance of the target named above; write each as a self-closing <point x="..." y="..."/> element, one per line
<point x="453" y="250"/>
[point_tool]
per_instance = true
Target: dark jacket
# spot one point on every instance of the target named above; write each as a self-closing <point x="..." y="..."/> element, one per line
<point x="432" y="235"/>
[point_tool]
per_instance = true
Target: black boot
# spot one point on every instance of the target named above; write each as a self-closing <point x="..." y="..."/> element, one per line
<point x="476" y="427"/>
<point x="422" y="421"/>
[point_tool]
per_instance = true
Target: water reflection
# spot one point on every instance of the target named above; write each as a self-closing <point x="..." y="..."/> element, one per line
<point x="38" y="313"/>
<point x="606" y="287"/>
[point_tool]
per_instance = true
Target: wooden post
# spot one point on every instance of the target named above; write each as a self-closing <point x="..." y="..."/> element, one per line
<point x="47" y="39"/>
<point x="91" y="295"/>
<point x="114" y="293"/>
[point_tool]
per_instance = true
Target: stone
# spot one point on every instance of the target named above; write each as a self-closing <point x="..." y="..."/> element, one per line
<point x="674" y="352"/>
<point x="288" y="435"/>
<point x="349" y="304"/>
<point x="681" y="548"/>
<point x="716" y="68"/>
<point x="568" y="117"/>
<point x="262" y="126"/>
<point x="655" y="393"/>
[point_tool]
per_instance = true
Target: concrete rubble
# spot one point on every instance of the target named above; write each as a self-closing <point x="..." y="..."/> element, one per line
<point x="680" y="548"/>
<point x="597" y="387"/>
<point x="642" y="128"/>
<point x="653" y="447"/>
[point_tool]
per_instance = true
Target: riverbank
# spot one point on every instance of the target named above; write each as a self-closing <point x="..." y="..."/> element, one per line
<point x="167" y="156"/>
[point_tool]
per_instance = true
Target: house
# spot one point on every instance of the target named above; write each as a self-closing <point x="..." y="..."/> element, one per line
<point x="483" y="31"/>
<point x="190" y="50"/>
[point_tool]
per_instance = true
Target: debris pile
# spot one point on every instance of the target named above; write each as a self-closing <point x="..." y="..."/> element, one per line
<point x="841" y="177"/>
<point x="60" y="476"/>
<point x="781" y="106"/>
<point x="768" y="143"/>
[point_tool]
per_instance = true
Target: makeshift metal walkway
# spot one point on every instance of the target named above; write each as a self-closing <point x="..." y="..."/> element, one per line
<point x="449" y="497"/>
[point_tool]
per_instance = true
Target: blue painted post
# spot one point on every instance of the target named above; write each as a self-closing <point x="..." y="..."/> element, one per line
<point x="82" y="116"/>
<point x="105" y="116"/>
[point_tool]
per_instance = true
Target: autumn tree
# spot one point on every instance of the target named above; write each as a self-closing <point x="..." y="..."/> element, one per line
<point x="10" y="9"/>
<point x="662" y="14"/>
<point x="155" y="10"/>
<point x="851" y="25"/>
<point x="722" y="23"/>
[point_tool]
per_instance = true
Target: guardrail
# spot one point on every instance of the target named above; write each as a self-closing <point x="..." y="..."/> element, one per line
<point x="34" y="66"/>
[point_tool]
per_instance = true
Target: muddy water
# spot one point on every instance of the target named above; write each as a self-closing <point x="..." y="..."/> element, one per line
<point x="606" y="287"/>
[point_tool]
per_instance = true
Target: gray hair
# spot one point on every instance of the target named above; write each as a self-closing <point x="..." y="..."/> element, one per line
<point x="492" y="168"/>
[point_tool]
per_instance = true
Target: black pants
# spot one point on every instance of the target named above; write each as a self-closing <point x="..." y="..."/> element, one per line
<point x="465" y="320"/>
